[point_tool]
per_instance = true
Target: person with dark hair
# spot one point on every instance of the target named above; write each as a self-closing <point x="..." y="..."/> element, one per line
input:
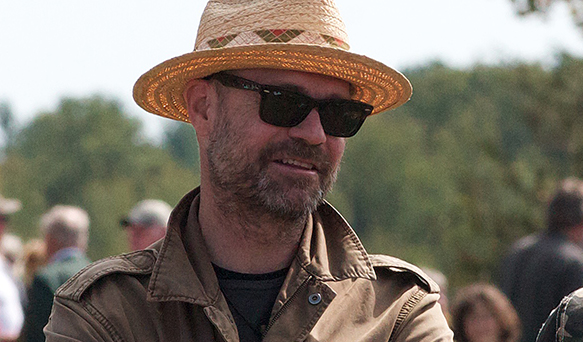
<point x="255" y="253"/>
<point x="541" y="269"/>
<point x="482" y="313"/>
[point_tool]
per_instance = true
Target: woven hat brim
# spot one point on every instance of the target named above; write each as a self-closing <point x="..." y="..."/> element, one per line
<point x="159" y="91"/>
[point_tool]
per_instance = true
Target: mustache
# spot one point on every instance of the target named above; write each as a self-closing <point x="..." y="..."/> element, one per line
<point x="299" y="149"/>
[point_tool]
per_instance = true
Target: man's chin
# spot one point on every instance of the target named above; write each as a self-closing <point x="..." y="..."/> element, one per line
<point x="293" y="203"/>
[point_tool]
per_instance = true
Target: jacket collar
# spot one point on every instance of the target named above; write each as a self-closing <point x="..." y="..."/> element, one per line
<point x="329" y="251"/>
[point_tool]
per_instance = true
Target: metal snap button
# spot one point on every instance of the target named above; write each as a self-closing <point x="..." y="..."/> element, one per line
<point x="315" y="298"/>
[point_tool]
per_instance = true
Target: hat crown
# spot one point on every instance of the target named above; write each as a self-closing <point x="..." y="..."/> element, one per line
<point x="230" y="23"/>
<point x="299" y="35"/>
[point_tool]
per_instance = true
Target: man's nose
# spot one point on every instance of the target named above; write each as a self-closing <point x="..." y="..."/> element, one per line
<point x="310" y="130"/>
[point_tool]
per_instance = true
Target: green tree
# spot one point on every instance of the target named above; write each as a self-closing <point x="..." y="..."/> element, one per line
<point x="526" y="7"/>
<point x="180" y="142"/>
<point x="89" y="153"/>
<point x="7" y="125"/>
<point x="451" y="179"/>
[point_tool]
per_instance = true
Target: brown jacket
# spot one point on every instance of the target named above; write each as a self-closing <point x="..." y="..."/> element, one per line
<point x="334" y="291"/>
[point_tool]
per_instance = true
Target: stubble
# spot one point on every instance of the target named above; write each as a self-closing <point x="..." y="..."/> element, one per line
<point x="247" y="183"/>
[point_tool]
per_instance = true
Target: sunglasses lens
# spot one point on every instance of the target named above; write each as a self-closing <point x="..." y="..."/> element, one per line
<point x="343" y="118"/>
<point x="339" y="118"/>
<point x="283" y="109"/>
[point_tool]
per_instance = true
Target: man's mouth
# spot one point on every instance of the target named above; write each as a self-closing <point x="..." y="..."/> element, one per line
<point x="297" y="163"/>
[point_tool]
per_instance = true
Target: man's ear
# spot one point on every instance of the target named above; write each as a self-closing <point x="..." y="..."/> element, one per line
<point x="198" y="96"/>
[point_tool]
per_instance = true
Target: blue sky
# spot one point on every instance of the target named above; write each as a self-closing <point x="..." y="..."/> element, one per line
<point x="51" y="49"/>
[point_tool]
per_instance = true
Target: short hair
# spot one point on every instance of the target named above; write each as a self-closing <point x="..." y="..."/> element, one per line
<point x="498" y="304"/>
<point x="566" y="207"/>
<point x="68" y="224"/>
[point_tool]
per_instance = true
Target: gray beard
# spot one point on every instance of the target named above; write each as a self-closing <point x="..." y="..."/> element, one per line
<point x="248" y="187"/>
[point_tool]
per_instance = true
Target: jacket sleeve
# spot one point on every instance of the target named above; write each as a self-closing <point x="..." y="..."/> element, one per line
<point x="72" y="321"/>
<point x="78" y="313"/>
<point x="425" y="322"/>
<point x="420" y="318"/>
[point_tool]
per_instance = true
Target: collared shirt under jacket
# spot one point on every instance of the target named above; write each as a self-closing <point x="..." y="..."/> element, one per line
<point x="334" y="291"/>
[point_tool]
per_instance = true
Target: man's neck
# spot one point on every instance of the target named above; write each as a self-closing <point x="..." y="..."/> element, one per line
<point x="246" y="241"/>
<point x="575" y="235"/>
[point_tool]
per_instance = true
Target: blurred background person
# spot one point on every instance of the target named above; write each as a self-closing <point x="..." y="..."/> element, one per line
<point x="541" y="269"/>
<point x="482" y="313"/>
<point x="10" y="300"/>
<point x="565" y="323"/>
<point x="33" y="259"/>
<point x="146" y="223"/>
<point x="441" y="281"/>
<point x="66" y="231"/>
<point x="11" y="250"/>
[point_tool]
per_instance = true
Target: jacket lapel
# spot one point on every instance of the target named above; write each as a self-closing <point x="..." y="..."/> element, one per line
<point x="329" y="251"/>
<point x="183" y="271"/>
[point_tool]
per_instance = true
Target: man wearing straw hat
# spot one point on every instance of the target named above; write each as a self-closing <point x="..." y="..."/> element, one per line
<point x="255" y="253"/>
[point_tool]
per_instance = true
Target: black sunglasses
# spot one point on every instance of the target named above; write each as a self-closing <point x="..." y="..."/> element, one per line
<point x="285" y="108"/>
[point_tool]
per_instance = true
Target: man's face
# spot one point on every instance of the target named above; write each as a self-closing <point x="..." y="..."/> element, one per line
<point x="282" y="171"/>
<point x="141" y="236"/>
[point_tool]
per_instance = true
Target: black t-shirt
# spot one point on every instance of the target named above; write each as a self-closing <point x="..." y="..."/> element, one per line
<point x="250" y="298"/>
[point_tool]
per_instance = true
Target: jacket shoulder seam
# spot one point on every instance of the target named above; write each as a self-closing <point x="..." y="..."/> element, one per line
<point x="400" y="266"/>
<point x="124" y="263"/>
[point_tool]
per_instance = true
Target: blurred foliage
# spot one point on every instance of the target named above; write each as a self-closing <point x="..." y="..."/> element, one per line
<point x="90" y="154"/>
<point x="452" y="178"/>
<point x="447" y="181"/>
<point x="527" y="7"/>
<point x="180" y="141"/>
<point x="7" y="123"/>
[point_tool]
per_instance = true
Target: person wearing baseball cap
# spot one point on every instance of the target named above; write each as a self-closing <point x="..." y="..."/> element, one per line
<point x="146" y="223"/>
<point x="255" y="253"/>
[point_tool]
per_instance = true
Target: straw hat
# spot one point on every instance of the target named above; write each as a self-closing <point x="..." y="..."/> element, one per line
<point x="301" y="35"/>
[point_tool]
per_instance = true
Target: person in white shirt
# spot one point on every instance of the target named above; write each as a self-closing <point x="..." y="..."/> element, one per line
<point x="11" y="315"/>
